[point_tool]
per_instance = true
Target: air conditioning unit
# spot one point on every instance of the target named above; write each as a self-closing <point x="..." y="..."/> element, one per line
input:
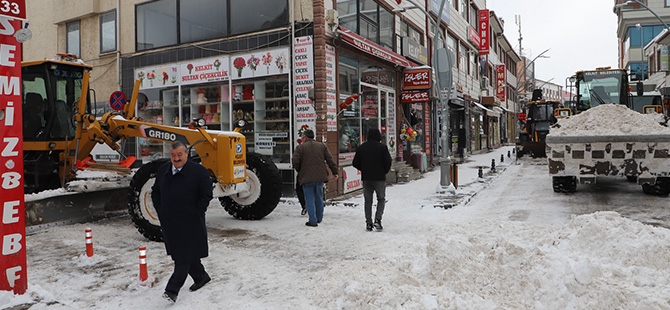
<point x="485" y="82"/>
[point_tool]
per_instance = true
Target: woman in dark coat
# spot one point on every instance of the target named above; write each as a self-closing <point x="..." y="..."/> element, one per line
<point x="181" y="194"/>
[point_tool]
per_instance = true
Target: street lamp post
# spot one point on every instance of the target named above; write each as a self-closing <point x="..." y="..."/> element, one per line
<point x="438" y="65"/>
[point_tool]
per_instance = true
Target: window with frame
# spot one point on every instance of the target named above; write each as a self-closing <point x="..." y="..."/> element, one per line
<point x="474" y="18"/>
<point x="108" y="32"/>
<point x="170" y="22"/>
<point x="463" y="8"/>
<point x="73" y="44"/>
<point x="368" y="19"/>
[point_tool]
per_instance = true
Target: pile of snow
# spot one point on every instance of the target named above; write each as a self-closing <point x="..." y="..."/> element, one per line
<point x="608" y="120"/>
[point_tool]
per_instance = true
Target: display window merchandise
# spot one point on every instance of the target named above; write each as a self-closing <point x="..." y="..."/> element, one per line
<point x="220" y="90"/>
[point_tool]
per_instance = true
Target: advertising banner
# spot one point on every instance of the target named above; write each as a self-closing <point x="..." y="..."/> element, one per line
<point x="204" y="70"/>
<point x="414" y="97"/>
<point x="259" y="64"/>
<point x="484" y="46"/>
<point x="155" y="77"/>
<point x="331" y="94"/>
<point x="500" y="82"/>
<point x="416" y="79"/>
<point x="391" y="138"/>
<point x="13" y="227"/>
<point x="352" y="179"/>
<point x="305" y="116"/>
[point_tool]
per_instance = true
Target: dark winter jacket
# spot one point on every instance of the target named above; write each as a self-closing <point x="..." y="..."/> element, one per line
<point x="181" y="201"/>
<point x="308" y="160"/>
<point x="372" y="158"/>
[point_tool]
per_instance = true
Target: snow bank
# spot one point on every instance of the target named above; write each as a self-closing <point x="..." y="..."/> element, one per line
<point x="608" y="120"/>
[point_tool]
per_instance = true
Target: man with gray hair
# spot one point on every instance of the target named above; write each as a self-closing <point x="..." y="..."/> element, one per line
<point x="181" y="194"/>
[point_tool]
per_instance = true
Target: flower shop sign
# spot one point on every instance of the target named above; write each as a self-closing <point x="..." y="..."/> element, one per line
<point x="331" y="93"/>
<point x="260" y="63"/>
<point x="155" y="77"/>
<point x="204" y="70"/>
<point x="303" y="55"/>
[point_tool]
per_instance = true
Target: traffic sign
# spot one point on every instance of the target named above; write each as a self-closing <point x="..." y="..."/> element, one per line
<point x="117" y="100"/>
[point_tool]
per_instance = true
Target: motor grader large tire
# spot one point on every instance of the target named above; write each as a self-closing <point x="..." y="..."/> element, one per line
<point x="661" y="188"/>
<point x="140" y="205"/>
<point x="265" y="182"/>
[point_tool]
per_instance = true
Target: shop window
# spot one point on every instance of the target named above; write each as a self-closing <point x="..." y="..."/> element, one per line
<point x="156" y="24"/>
<point x="196" y="24"/>
<point x="73" y="38"/>
<point x="108" y="32"/>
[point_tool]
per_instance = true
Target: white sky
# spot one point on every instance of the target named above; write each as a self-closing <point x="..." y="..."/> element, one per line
<point x="581" y="34"/>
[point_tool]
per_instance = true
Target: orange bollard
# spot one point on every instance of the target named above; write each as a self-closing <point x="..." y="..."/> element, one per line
<point x="89" y="242"/>
<point x="143" y="264"/>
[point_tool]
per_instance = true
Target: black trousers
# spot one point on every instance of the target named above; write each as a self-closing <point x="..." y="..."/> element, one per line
<point x="194" y="268"/>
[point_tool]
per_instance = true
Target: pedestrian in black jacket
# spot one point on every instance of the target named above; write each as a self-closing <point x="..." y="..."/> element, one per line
<point x="181" y="194"/>
<point x="374" y="161"/>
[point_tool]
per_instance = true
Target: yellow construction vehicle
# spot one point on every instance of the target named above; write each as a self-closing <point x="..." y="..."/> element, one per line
<point x="60" y="130"/>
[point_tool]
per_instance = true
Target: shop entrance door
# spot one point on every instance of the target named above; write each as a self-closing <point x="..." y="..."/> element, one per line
<point x="378" y="111"/>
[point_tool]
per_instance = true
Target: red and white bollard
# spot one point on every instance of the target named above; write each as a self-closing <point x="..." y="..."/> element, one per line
<point x="143" y="264"/>
<point x="89" y="242"/>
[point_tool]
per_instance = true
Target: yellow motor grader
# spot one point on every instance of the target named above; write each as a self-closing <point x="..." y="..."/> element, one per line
<point x="60" y="130"/>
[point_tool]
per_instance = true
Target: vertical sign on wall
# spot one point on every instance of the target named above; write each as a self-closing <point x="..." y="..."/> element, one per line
<point x="303" y="66"/>
<point x="391" y="138"/>
<point x="13" y="227"/>
<point x="484" y="32"/>
<point x="331" y="94"/>
<point x="500" y="82"/>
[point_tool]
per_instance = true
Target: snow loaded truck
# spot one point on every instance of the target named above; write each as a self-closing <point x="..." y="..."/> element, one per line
<point x="608" y="138"/>
<point x="60" y="130"/>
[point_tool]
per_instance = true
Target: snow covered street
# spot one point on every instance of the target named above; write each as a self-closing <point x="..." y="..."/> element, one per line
<point x="507" y="242"/>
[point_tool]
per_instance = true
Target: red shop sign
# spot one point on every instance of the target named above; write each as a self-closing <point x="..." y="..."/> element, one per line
<point x="13" y="9"/>
<point x="500" y="82"/>
<point x="414" y="96"/>
<point x="13" y="226"/>
<point x="416" y="79"/>
<point x="484" y="32"/>
<point x="372" y="48"/>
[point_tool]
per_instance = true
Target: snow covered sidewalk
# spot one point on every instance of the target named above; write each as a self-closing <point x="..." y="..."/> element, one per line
<point x="427" y="257"/>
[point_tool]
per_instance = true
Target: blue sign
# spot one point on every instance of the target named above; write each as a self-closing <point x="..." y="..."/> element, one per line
<point x="238" y="148"/>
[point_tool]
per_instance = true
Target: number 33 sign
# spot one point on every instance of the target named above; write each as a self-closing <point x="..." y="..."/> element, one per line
<point x="13" y="9"/>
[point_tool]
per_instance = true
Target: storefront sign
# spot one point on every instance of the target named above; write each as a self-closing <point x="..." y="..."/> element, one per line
<point x="415" y="51"/>
<point x="416" y="79"/>
<point x="352" y="179"/>
<point x="303" y="54"/>
<point x="264" y="145"/>
<point x="205" y="70"/>
<point x="484" y="47"/>
<point x="500" y="82"/>
<point x="369" y="107"/>
<point x="426" y="131"/>
<point x="160" y="76"/>
<point x="665" y="58"/>
<point x="372" y="48"/>
<point x="414" y="96"/>
<point x="259" y="63"/>
<point x="391" y="138"/>
<point x="13" y="228"/>
<point x="377" y="77"/>
<point x="331" y="93"/>
<point x="473" y="36"/>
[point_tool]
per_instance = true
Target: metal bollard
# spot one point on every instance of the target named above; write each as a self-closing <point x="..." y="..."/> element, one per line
<point x="454" y="175"/>
<point x="508" y="156"/>
<point x="502" y="158"/>
<point x="493" y="165"/>
<point x="480" y="173"/>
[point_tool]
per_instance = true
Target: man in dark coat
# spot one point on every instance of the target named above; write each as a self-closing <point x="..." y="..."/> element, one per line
<point x="308" y="160"/>
<point x="374" y="161"/>
<point x="181" y="194"/>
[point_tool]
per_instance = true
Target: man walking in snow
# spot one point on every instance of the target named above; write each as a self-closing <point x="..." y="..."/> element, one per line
<point x="374" y="161"/>
<point x="181" y="194"/>
<point x="308" y="160"/>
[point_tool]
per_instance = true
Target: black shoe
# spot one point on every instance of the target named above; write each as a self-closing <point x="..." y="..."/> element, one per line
<point x="303" y="212"/>
<point x="368" y="227"/>
<point x="170" y="296"/>
<point x="312" y="224"/>
<point x="378" y="225"/>
<point x="197" y="285"/>
<point x="318" y="222"/>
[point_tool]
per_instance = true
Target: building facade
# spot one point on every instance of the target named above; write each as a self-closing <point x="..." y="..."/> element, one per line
<point x="338" y="67"/>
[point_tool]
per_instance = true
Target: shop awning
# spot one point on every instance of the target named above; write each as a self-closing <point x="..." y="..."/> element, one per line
<point x="372" y="48"/>
<point x="489" y="112"/>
